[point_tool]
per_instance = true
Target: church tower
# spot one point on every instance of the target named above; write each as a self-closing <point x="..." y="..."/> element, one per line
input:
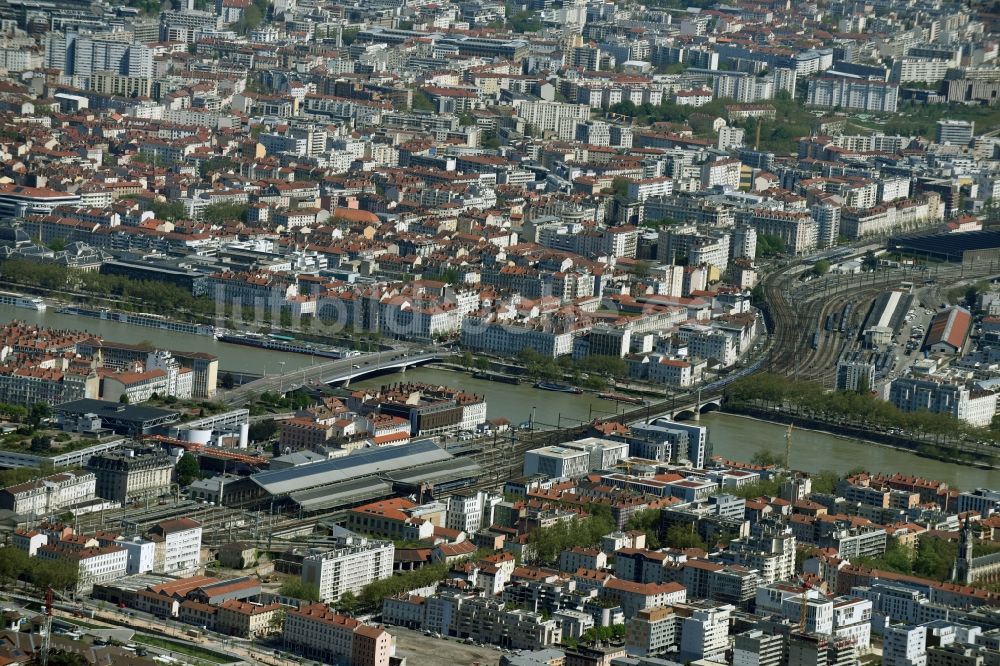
<point x="962" y="570"/>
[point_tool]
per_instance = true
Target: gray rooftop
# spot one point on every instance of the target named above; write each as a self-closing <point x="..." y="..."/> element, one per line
<point x="365" y="462"/>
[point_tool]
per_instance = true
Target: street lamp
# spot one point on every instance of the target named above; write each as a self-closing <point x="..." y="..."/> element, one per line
<point x="281" y="377"/>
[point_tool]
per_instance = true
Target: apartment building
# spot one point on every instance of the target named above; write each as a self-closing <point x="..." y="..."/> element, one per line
<point x="553" y="117"/>
<point x="245" y="619"/>
<point x="758" y="648"/>
<point x="27" y="385"/>
<point x="349" y="567"/>
<point x="471" y="511"/>
<point x="889" y="217"/>
<point x="851" y="94"/>
<point x="909" y="69"/>
<point x="95" y="564"/>
<point x="633" y="597"/>
<point x="770" y="549"/>
<point x="487" y="620"/>
<point x="393" y="518"/>
<point x="128" y="475"/>
<point x="317" y="632"/>
<point x="955" y="132"/>
<point x="49" y="495"/>
<point x="704" y="630"/>
<point x="582" y="558"/>
<point x="904" y="645"/>
<point x="939" y="396"/>
<point x="706" y="342"/>
<point x="797" y="230"/>
<point x="651" y="632"/>
<point x="479" y="334"/>
<point x="178" y="546"/>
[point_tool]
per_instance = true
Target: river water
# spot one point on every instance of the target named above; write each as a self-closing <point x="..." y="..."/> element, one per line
<point x="731" y="436"/>
<point x="231" y="357"/>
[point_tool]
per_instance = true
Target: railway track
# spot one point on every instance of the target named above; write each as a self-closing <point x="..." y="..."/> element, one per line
<point x="797" y="312"/>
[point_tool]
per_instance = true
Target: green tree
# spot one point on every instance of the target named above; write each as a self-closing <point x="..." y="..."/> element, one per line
<point x="523" y="21"/>
<point x="263" y="430"/>
<point x="821" y="267"/>
<point x="277" y="622"/>
<point x="348" y="603"/>
<point x="252" y="17"/>
<point x="768" y="245"/>
<point x="547" y="542"/>
<point x="13" y="564"/>
<point x="188" y="469"/>
<point x="648" y="522"/>
<point x="296" y="588"/>
<point x="422" y="102"/>
<point x="619" y="187"/>
<point x="228" y="381"/>
<point x="230" y="211"/>
<point x="168" y="210"/>
<point x="680" y="536"/>
<point x="41" y="443"/>
<point x="60" y="657"/>
<point x="765" y="458"/>
<point x="60" y="575"/>
<point x="39" y="412"/>
<point x="641" y="269"/>
<point x="123" y="398"/>
<point x="825" y="482"/>
<point x="869" y="262"/>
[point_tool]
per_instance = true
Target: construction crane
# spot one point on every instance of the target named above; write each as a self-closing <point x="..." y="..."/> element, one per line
<point x="788" y="446"/>
<point x="804" y="603"/>
<point x="47" y="638"/>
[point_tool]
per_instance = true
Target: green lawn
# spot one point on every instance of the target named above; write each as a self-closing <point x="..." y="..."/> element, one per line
<point x="182" y="648"/>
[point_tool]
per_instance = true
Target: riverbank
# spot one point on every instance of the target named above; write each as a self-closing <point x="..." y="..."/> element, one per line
<point x="803" y="423"/>
<point x="984" y="461"/>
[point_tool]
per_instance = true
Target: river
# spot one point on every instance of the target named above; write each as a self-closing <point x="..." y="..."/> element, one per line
<point x="731" y="436"/>
<point x="231" y="357"/>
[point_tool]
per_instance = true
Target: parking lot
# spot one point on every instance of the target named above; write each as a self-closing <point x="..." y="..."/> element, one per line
<point x="421" y="650"/>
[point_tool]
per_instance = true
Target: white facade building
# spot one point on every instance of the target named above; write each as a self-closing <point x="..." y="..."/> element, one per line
<point x="178" y="546"/>
<point x="349" y="567"/>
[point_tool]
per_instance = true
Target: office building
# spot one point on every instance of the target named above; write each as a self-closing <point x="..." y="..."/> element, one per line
<point x="955" y="132"/>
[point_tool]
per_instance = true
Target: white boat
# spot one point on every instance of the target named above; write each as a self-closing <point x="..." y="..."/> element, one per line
<point x="17" y="300"/>
<point x="31" y="303"/>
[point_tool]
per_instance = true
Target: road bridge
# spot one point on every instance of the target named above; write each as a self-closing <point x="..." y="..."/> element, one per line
<point x="341" y="370"/>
